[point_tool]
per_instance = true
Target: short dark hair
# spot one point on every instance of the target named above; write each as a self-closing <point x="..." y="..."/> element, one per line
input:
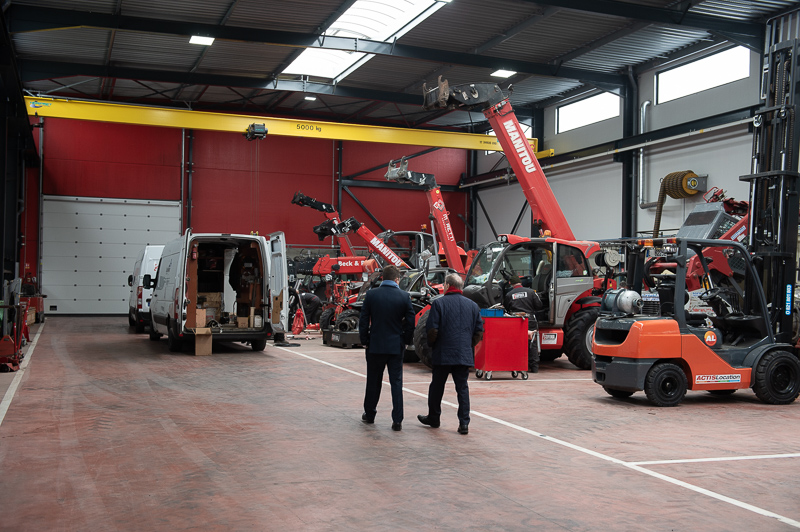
<point x="391" y="273"/>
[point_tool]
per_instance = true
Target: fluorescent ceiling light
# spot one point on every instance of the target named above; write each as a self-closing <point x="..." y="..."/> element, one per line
<point x="311" y="98"/>
<point x="374" y="20"/>
<point x="503" y="73"/>
<point x="206" y="41"/>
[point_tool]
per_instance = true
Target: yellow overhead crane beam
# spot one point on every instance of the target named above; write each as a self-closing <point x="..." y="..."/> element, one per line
<point x="184" y="118"/>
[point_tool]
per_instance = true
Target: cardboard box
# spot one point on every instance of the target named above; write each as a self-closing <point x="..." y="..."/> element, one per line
<point x="200" y="317"/>
<point x="209" y="299"/>
<point x="242" y="323"/>
<point x="202" y="341"/>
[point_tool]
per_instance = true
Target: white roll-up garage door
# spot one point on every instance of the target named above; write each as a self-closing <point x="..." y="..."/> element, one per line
<point x="89" y="246"/>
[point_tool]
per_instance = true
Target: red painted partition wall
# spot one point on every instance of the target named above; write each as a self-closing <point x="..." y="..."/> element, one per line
<point x="403" y="210"/>
<point x="245" y="186"/>
<point x="238" y="186"/>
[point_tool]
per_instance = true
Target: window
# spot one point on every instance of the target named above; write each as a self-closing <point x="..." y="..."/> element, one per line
<point x="587" y="111"/>
<point x="571" y="262"/>
<point x="703" y="74"/>
<point x="377" y="20"/>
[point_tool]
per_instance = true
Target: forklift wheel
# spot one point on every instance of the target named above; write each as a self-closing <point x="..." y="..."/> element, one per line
<point x="665" y="384"/>
<point x="619" y="394"/>
<point x="777" y="378"/>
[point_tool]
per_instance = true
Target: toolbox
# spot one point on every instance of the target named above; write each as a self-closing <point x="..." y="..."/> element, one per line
<point x="504" y="347"/>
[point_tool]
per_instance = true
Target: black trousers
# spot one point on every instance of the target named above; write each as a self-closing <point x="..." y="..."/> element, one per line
<point x="375" y="365"/>
<point x="436" y="391"/>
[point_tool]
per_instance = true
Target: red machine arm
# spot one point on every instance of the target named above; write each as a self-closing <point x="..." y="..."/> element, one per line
<point x="441" y="217"/>
<point x="545" y="210"/>
<point x="374" y="243"/>
<point x="333" y="218"/>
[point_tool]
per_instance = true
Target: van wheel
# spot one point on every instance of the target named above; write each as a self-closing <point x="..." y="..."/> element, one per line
<point x="138" y="324"/>
<point x="777" y="379"/>
<point x="131" y="320"/>
<point x="665" y="384"/>
<point x="258" y="344"/>
<point x="174" y="342"/>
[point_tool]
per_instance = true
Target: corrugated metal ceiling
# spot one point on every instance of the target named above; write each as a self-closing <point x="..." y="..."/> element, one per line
<point x="555" y="49"/>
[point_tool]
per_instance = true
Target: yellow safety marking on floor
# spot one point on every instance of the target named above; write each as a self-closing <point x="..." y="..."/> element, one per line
<point x="630" y="465"/>
<point x="291" y="127"/>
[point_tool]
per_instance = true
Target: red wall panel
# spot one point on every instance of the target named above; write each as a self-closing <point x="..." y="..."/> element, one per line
<point x="446" y="164"/>
<point x="241" y="186"/>
<point x="111" y="160"/>
<point x="237" y="186"/>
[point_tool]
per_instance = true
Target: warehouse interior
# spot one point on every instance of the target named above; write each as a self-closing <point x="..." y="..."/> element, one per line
<point x="139" y="125"/>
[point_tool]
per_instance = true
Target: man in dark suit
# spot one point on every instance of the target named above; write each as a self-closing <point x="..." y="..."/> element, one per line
<point x="454" y="328"/>
<point x="386" y="326"/>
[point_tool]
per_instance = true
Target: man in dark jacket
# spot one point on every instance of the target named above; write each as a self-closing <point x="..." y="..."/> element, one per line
<point x="386" y="326"/>
<point x="454" y="328"/>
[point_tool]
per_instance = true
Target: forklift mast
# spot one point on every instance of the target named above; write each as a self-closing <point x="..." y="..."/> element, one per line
<point x="546" y="214"/>
<point x="774" y="179"/>
<point x="441" y="217"/>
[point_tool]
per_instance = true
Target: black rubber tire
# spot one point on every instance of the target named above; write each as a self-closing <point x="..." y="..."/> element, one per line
<point x="722" y="392"/>
<point x="576" y="332"/>
<point x="347" y="321"/>
<point x="154" y="336"/>
<point x="410" y="355"/>
<point x="174" y="342"/>
<point x="38" y="318"/>
<point x="777" y="378"/>
<point x="665" y="384"/>
<point x="421" y="347"/>
<point x="619" y="394"/>
<point x="326" y="319"/>
<point x="138" y="325"/>
<point x="548" y="355"/>
<point x="258" y="344"/>
<point x="131" y="319"/>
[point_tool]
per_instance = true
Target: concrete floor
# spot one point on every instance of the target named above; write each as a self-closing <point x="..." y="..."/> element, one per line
<point x="109" y="431"/>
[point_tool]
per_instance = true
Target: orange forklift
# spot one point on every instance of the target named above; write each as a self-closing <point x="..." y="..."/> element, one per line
<point x="746" y="341"/>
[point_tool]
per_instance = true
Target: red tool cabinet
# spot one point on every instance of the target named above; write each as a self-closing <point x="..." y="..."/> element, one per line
<point x="504" y="347"/>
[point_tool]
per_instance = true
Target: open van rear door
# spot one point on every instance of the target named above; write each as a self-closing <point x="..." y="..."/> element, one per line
<point x="278" y="283"/>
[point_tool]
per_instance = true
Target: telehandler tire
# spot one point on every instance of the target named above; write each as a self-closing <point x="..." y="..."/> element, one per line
<point x="578" y="337"/>
<point x="777" y="378"/>
<point x="421" y="346"/>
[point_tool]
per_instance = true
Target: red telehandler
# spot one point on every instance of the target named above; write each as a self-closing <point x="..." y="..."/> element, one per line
<point x="554" y="264"/>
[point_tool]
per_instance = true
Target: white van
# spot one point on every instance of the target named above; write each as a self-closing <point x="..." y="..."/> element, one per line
<point x="236" y="285"/>
<point x="139" y="299"/>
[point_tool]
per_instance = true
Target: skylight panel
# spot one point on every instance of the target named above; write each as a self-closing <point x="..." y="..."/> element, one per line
<point x="375" y="20"/>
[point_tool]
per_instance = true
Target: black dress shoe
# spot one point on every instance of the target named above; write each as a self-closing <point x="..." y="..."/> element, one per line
<point x="426" y="420"/>
<point x="463" y="429"/>
<point x="397" y="426"/>
<point x="366" y="419"/>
